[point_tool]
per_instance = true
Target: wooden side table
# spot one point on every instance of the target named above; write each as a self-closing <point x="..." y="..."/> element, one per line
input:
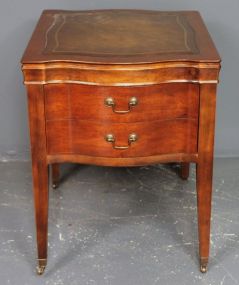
<point x="121" y="88"/>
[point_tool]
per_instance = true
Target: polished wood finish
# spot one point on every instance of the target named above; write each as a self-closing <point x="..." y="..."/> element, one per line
<point x="39" y="165"/>
<point x="205" y="167"/>
<point x="55" y="173"/>
<point x="78" y="62"/>
<point x="154" y="137"/>
<point x="122" y="161"/>
<point x="84" y="102"/>
<point x="120" y="75"/>
<point x="184" y="171"/>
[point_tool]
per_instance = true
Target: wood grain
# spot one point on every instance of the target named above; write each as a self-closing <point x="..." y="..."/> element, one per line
<point x="121" y="75"/>
<point x="155" y="137"/>
<point x="122" y="161"/>
<point x="155" y="102"/>
<point x="168" y="61"/>
<point x="39" y="165"/>
<point x="205" y="166"/>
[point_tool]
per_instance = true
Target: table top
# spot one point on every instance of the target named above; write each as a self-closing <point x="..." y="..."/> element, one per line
<point x="120" y="37"/>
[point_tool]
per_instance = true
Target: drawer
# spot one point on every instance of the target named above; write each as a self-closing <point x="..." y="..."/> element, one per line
<point x="121" y="104"/>
<point x="130" y="139"/>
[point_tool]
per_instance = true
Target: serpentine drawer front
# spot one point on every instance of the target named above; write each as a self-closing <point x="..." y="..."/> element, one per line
<point x="90" y="138"/>
<point x="164" y="118"/>
<point x="121" y="88"/>
<point x="122" y="104"/>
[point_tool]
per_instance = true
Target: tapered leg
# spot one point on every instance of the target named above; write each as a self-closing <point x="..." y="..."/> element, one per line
<point x="184" y="171"/>
<point x="204" y="170"/>
<point x="204" y="194"/>
<point x="55" y="172"/>
<point x="39" y="169"/>
<point x="40" y="186"/>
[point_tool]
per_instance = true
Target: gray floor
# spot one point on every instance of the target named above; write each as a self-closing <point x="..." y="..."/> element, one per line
<point x="119" y="226"/>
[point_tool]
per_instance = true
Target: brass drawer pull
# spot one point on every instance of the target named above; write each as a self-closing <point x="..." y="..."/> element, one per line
<point x="111" y="139"/>
<point x="109" y="102"/>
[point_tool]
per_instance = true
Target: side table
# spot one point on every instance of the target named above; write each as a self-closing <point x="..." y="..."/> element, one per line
<point x="121" y="88"/>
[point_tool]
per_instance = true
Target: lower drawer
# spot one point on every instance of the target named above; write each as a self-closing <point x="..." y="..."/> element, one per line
<point x="122" y="139"/>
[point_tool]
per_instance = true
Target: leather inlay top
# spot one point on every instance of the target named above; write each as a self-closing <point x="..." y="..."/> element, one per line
<point x="120" y="33"/>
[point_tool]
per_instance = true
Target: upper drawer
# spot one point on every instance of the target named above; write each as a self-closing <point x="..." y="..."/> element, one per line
<point x="121" y="104"/>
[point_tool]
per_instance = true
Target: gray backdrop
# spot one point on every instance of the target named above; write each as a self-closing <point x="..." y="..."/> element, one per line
<point x="17" y="21"/>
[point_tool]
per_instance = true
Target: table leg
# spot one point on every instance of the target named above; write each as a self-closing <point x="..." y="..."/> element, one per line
<point x="184" y="171"/>
<point x="204" y="194"/>
<point x="55" y="172"/>
<point x="204" y="171"/>
<point x="39" y="169"/>
<point x="40" y="187"/>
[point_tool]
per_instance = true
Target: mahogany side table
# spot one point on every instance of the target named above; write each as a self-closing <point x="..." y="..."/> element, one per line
<point x="121" y="88"/>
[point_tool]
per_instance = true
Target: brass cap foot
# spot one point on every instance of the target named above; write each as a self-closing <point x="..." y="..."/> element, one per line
<point x="203" y="268"/>
<point x="55" y="185"/>
<point x="40" y="270"/>
<point x="41" y="266"/>
<point x="203" y="264"/>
